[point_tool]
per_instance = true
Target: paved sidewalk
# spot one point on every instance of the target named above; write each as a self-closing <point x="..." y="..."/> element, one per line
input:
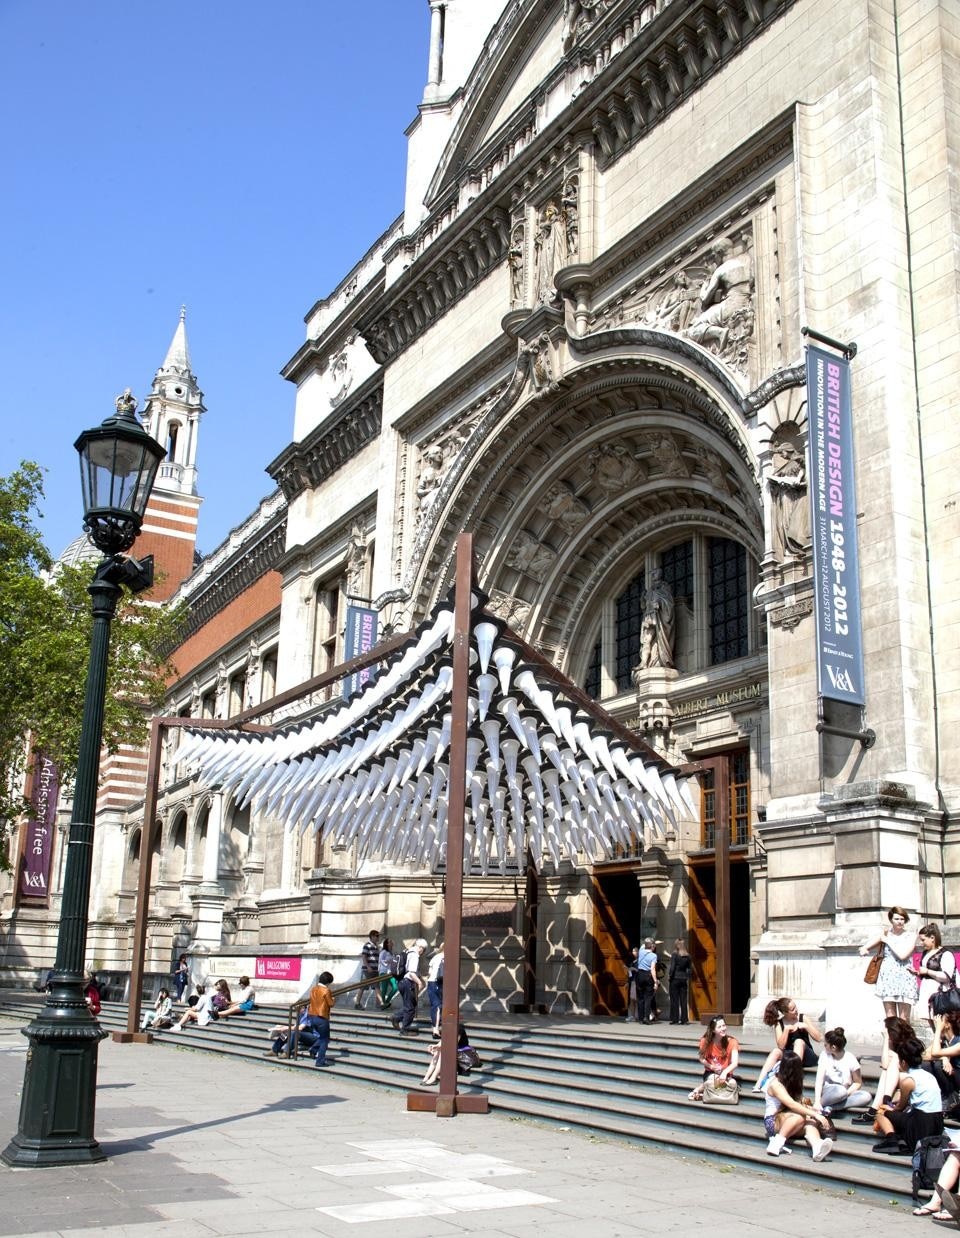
<point x="203" y="1145"/>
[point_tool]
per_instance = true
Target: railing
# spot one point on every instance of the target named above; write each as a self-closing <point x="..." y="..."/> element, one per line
<point x="296" y="1008"/>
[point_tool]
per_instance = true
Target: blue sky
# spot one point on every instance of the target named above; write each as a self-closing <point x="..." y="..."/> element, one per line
<point x="236" y="158"/>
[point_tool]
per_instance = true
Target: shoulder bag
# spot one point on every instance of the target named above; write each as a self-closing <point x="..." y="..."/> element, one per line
<point x="721" y="1092"/>
<point x="873" y="967"/>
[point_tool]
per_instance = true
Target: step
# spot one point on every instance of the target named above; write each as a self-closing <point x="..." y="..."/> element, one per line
<point x="633" y="1088"/>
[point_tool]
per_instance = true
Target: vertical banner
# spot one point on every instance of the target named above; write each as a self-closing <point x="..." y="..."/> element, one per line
<point x="836" y="572"/>
<point x="39" y="829"/>
<point x="360" y="635"/>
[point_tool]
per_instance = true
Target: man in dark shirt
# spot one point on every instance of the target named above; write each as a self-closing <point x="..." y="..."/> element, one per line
<point x="369" y="960"/>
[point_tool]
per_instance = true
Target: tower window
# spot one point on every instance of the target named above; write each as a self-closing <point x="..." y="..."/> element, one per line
<point x="172" y="435"/>
<point x="629" y="619"/>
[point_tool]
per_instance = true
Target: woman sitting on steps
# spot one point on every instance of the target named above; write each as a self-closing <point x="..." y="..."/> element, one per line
<point x="719" y="1055"/>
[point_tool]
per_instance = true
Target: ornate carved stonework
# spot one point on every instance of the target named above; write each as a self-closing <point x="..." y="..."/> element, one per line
<point x="543" y="373"/>
<point x="356" y="561"/>
<point x="790" y="508"/>
<point x="614" y="467"/>
<point x="530" y="556"/>
<point x="789" y="616"/>
<point x="562" y="505"/>
<point x="667" y="455"/>
<point x="578" y="17"/>
<point x="709" y="300"/>
<point x="510" y="609"/>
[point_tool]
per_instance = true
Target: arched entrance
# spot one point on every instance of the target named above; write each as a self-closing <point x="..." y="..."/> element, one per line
<point x="632" y="475"/>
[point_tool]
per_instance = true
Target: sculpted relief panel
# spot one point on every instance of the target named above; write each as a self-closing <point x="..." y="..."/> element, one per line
<point x="709" y="300"/>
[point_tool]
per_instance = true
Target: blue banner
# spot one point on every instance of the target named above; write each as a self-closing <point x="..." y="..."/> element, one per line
<point x="836" y="572"/>
<point x="360" y="635"/>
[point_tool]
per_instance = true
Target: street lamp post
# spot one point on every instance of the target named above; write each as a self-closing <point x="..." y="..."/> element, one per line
<point x="118" y="463"/>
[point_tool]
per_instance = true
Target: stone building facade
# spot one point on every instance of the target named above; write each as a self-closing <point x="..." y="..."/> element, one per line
<point x="582" y="341"/>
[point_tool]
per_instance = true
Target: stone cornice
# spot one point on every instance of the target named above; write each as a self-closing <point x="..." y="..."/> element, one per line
<point x="305" y="465"/>
<point x="255" y="560"/>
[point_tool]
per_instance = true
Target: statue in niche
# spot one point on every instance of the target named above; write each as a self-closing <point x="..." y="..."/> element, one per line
<point x="571" y="215"/>
<point x="657" y="626"/>
<point x="726" y="305"/>
<point x="614" y="468"/>
<point x="530" y="556"/>
<point x="562" y="505"/>
<point x="220" y="690"/>
<point x="196" y="698"/>
<point x="431" y="475"/>
<point x="679" y="307"/>
<point x="791" y="509"/>
<point x="251" y="679"/>
<point x="516" y="265"/>
<point x="356" y="561"/>
<point x="550" y="248"/>
<point x="668" y="455"/>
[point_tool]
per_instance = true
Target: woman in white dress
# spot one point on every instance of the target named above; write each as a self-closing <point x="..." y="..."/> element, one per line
<point x="897" y="983"/>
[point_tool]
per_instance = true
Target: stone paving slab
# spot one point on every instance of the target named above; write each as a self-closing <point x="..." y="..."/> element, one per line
<point x="227" y="1146"/>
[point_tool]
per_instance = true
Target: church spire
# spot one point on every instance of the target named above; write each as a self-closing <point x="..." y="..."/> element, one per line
<point x="177" y="360"/>
<point x="172" y="414"/>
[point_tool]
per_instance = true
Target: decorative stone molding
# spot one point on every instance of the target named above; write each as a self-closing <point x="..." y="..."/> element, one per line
<point x="789" y="616"/>
<point x="305" y="465"/>
<point x="254" y="561"/>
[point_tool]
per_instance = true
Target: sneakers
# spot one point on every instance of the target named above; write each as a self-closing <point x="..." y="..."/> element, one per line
<point x="778" y="1144"/>
<point x="826" y="1147"/>
<point x="889" y="1145"/>
<point x="867" y="1118"/>
<point x="395" y="1020"/>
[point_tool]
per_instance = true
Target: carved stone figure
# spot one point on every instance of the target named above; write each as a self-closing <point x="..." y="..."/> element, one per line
<point x="791" y="509"/>
<point x="541" y="363"/>
<point x="516" y="265"/>
<point x="657" y="625"/>
<point x="220" y="707"/>
<point x="431" y="475"/>
<point x="340" y="377"/>
<point x="571" y="214"/>
<point x="725" y="298"/>
<point x="356" y="561"/>
<point x="577" y="17"/>
<point x="550" y="241"/>
<point x="679" y="307"/>
<point x="712" y="467"/>
<point x="562" y="505"/>
<point x="614" y="468"/>
<point x="529" y="555"/>
<point x="510" y="609"/>
<point x="668" y="455"/>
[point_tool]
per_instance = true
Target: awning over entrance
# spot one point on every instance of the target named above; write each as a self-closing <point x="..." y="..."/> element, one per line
<point x="549" y="773"/>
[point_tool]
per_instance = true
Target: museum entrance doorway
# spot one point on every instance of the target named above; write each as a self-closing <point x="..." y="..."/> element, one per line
<point x="617" y="926"/>
<point x="703" y="937"/>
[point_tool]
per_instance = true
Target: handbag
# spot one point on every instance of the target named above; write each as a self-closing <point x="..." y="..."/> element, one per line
<point x="873" y="967"/>
<point x="721" y="1091"/>
<point x="946" y="1001"/>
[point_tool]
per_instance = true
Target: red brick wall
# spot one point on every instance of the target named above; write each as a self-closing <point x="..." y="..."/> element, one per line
<point x="255" y="603"/>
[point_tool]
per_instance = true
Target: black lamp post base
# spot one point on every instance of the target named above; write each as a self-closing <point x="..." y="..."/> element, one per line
<point x="59" y="1094"/>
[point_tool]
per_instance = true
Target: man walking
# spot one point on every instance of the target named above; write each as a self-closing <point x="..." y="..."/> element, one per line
<point x="410" y="988"/>
<point x="317" y="1022"/>
<point x="369" y="966"/>
<point x="646" y="981"/>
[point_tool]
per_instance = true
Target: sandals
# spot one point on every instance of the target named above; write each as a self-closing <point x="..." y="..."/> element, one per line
<point x="696" y="1094"/>
<point x="935" y="1214"/>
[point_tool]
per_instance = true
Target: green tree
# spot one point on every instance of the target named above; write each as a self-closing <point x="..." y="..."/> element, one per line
<point x="45" y="630"/>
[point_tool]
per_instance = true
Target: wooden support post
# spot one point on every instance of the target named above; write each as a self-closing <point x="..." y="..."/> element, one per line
<point x="448" y="1103"/>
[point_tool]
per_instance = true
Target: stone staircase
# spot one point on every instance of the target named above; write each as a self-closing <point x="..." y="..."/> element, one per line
<point x="600" y="1076"/>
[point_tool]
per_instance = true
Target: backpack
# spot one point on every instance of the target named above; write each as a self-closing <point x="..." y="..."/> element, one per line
<point x="928" y="1159"/>
<point x="400" y="965"/>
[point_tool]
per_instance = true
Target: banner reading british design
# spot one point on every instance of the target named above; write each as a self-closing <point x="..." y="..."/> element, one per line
<point x="38" y="831"/>
<point x="836" y="572"/>
<point x="359" y="636"/>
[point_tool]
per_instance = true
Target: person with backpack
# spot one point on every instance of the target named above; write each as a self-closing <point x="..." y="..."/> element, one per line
<point x="435" y="990"/>
<point x="411" y="986"/>
<point x="940" y="1156"/>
